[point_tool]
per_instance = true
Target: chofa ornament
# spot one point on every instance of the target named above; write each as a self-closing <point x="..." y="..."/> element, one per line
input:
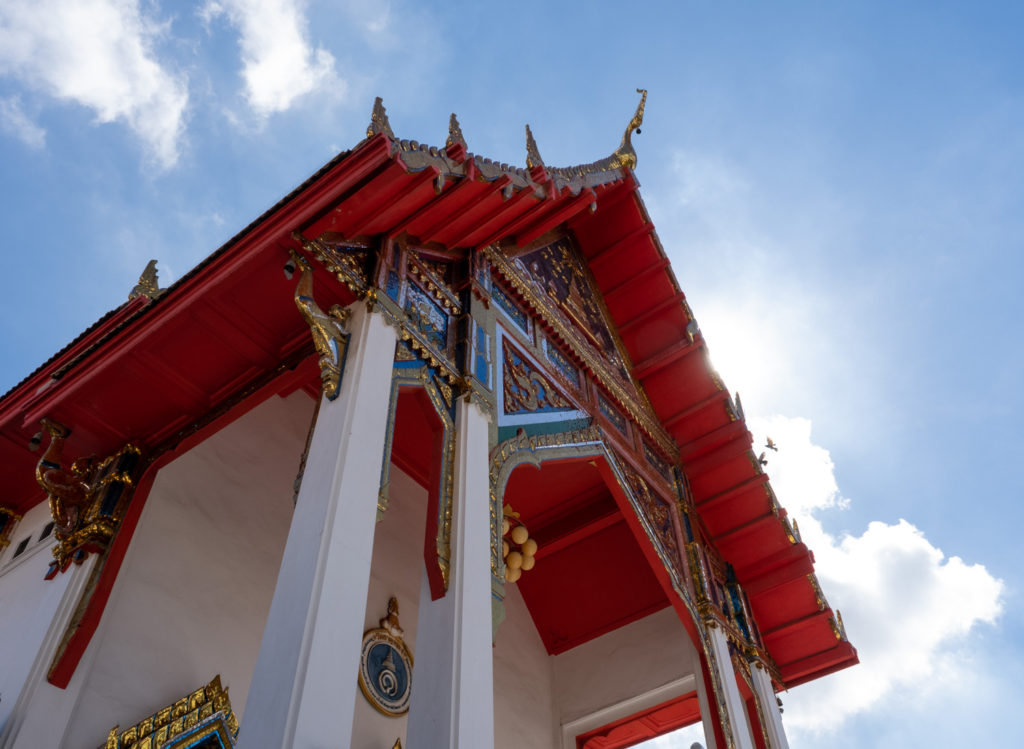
<point x="385" y="666"/>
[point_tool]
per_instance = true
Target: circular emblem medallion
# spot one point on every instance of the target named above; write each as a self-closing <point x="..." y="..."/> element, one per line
<point x="385" y="672"/>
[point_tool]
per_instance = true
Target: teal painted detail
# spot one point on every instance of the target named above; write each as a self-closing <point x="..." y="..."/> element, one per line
<point x="547" y="427"/>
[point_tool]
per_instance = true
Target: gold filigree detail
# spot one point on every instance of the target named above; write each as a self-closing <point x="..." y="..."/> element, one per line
<point x="327" y="328"/>
<point x="527" y="389"/>
<point x="208" y="709"/>
<point x="148" y="285"/>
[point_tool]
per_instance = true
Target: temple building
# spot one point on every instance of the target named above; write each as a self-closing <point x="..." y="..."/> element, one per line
<point x="431" y="454"/>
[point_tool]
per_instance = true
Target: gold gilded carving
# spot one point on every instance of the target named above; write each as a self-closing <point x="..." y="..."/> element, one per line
<point x="328" y="329"/>
<point x="207" y="710"/>
<point x="148" y="285"/>
<point x="527" y="389"/>
<point x="87" y="501"/>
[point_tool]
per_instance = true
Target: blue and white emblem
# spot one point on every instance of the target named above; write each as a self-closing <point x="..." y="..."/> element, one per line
<point x="385" y="666"/>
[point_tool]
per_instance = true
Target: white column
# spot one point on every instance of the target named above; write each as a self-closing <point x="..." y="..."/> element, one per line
<point x="770" y="713"/>
<point x="734" y="705"/>
<point x="42" y="711"/>
<point x="452" y="701"/>
<point x="708" y="711"/>
<point x="305" y="683"/>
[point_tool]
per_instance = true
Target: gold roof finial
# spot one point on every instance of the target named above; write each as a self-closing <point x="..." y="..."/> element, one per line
<point x="379" y="120"/>
<point x="148" y="285"/>
<point x="455" y="133"/>
<point x="625" y="155"/>
<point x="532" y="154"/>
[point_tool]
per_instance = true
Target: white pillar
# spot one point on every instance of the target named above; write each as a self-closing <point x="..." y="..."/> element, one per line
<point x="42" y="711"/>
<point x="708" y="711"/>
<point x="305" y="683"/>
<point x="452" y="701"/>
<point x="731" y="697"/>
<point x="770" y="713"/>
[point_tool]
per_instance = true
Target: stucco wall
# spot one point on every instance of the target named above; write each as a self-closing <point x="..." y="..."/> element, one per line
<point x="621" y="665"/>
<point x="524" y="710"/>
<point x="27" y="604"/>
<point x="193" y="593"/>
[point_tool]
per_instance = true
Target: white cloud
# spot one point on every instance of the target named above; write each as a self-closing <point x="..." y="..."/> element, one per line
<point x="278" y="63"/>
<point x="97" y="53"/>
<point x="15" y="122"/>
<point x="905" y="604"/>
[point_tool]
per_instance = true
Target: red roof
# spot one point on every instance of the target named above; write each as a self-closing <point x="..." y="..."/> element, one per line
<point x="153" y="372"/>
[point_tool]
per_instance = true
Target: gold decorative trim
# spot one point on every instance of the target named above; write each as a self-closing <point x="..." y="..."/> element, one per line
<point x="204" y="712"/>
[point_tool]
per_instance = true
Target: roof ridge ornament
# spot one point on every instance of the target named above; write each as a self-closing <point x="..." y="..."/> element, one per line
<point x="532" y="153"/>
<point x="379" y="120"/>
<point x="455" y="133"/>
<point x="624" y="155"/>
<point x="148" y="285"/>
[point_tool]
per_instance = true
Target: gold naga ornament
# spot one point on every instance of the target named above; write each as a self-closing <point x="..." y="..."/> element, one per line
<point x="330" y="336"/>
<point x="517" y="548"/>
<point x="87" y="500"/>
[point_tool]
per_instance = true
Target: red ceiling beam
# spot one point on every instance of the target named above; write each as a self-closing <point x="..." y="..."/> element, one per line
<point x="743" y="487"/>
<point x="679" y="417"/>
<point x="503" y="209"/>
<point x="779" y="569"/>
<point x="716" y="447"/>
<point x="666" y="356"/>
<point x="466" y="220"/>
<point x="556" y="216"/>
<point x="820" y="664"/>
<point x="658" y="266"/>
<point x="602" y="255"/>
<point x="651" y="312"/>
<point x="389" y="201"/>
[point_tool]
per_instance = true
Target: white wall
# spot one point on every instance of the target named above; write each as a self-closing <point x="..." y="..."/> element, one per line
<point x="524" y="709"/>
<point x="28" y="603"/>
<point x="623" y="672"/>
<point x="195" y="587"/>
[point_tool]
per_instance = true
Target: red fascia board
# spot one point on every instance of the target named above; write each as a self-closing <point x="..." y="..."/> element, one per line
<point x="843" y="655"/>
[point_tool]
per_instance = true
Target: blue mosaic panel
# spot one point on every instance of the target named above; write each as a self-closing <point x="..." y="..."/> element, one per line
<point x="481" y="367"/>
<point x="393" y="286"/>
<point x="427" y="316"/>
<point x="565" y="367"/>
<point x="509" y="307"/>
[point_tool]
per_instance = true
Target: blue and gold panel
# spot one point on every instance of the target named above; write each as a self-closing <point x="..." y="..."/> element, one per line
<point x="514" y="312"/>
<point x="561" y="363"/>
<point x="427" y="317"/>
<point x="527" y="390"/>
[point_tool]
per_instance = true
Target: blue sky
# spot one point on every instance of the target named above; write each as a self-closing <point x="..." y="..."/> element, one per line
<point x="838" y="186"/>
